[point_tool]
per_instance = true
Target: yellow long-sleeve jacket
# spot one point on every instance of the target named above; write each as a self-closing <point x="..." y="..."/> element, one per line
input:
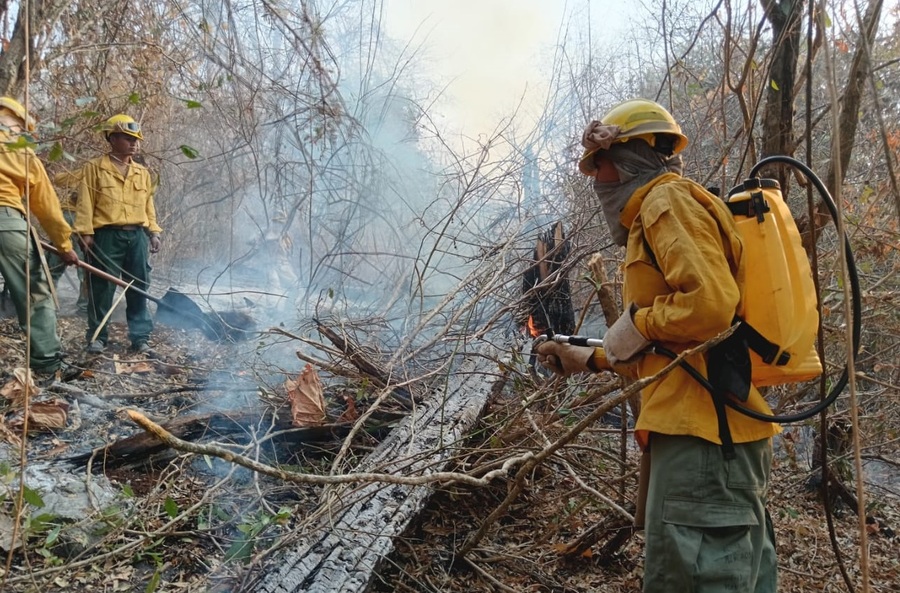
<point x="106" y="197"/>
<point x="687" y="287"/>
<point x="15" y="166"/>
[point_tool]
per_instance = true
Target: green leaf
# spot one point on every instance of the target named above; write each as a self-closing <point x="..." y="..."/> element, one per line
<point x="191" y="104"/>
<point x="154" y="582"/>
<point x="129" y="492"/>
<point x="53" y="536"/>
<point x="82" y="101"/>
<point x="33" y="498"/>
<point x="171" y="507"/>
<point x="23" y="141"/>
<point x="56" y="152"/>
<point x="134" y="98"/>
<point x="866" y="194"/>
<point x="774" y="85"/>
<point x="189" y="152"/>
<point x="239" y="550"/>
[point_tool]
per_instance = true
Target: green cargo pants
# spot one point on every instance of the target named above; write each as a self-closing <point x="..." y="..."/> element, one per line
<point x="707" y="528"/>
<point x="58" y="266"/>
<point x="15" y="247"/>
<point x="122" y="252"/>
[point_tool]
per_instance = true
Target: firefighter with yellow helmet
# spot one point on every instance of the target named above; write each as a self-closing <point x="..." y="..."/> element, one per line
<point x="21" y="174"/>
<point x="116" y="222"/>
<point x="704" y="513"/>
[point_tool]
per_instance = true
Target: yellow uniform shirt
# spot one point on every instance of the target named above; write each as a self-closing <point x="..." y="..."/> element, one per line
<point x="687" y="287"/>
<point x="107" y="197"/>
<point x="15" y="166"/>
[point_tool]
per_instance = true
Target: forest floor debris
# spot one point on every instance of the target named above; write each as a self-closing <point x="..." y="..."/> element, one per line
<point x="195" y="523"/>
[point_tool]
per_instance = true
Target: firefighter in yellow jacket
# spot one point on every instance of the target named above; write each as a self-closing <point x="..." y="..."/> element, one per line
<point x="116" y="222"/>
<point x="21" y="172"/>
<point x="706" y="524"/>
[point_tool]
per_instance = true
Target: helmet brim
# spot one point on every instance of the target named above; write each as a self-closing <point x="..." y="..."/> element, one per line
<point x="586" y="162"/>
<point x="137" y="135"/>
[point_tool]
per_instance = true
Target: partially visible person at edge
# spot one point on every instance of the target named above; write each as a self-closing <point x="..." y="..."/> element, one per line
<point x="116" y="222"/>
<point x="67" y="183"/>
<point x="20" y="172"/>
<point x="705" y="519"/>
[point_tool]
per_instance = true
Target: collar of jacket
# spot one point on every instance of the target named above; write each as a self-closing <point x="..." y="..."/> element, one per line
<point x="633" y="207"/>
<point x="107" y="163"/>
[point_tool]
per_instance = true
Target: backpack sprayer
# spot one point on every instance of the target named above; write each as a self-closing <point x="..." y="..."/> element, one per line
<point x="780" y="317"/>
<point x="775" y="196"/>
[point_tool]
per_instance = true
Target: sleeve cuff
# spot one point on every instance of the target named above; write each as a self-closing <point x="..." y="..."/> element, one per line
<point x="598" y="361"/>
<point x="640" y="322"/>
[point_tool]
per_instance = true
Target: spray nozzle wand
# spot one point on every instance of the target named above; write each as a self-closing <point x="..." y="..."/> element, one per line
<point x="573" y="340"/>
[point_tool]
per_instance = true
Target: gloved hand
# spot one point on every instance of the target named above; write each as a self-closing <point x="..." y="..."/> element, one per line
<point x="565" y="359"/>
<point x="155" y="243"/>
<point x="623" y="343"/>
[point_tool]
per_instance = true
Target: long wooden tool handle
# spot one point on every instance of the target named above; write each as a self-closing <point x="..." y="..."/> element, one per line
<point x="105" y="275"/>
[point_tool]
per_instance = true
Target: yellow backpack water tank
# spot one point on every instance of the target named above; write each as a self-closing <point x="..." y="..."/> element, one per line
<point x="780" y="301"/>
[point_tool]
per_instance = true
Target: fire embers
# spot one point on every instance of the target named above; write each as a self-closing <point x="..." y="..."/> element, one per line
<point x="547" y="298"/>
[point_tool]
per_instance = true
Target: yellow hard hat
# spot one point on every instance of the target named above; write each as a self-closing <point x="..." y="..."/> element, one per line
<point x="122" y="123"/>
<point x="637" y="118"/>
<point x="16" y="108"/>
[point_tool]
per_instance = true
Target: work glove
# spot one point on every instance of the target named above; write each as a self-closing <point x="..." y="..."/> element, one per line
<point x="155" y="243"/>
<point x="565" y="359"/>
<point x="624" y="344"/>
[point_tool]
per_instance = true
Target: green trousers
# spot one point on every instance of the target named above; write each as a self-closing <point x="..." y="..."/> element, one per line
<point x="707" y="529"/>
<point x="58" y="266"/>
<point x="15" y="247"/>
<point x="122" y="253"/>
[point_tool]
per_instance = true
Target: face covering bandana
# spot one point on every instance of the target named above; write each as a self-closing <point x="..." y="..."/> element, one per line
<point x="637" y="164"/>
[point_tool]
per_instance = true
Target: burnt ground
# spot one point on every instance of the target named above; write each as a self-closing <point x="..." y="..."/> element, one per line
<point x="194" y="523"/>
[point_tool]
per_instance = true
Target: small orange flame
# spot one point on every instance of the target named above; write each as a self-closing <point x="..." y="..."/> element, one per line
<point x="534" y="331"/>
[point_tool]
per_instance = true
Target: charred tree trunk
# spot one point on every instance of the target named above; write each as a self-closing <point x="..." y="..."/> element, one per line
<point x="341" y="552"/>
<point x="548" y="297"/>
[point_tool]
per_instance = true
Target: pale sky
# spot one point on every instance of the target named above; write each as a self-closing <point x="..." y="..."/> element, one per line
<point x="490" y="51"/>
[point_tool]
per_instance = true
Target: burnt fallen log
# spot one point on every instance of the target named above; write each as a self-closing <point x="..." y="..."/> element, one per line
<point x="178" y="310"/>
<point x="343" y="550"/>
<point x="144" y="448"/>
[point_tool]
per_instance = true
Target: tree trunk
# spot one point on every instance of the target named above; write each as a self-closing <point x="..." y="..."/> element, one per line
<point x="341" y="552"/>
<point x="44" y="14"/>
<point x="860" y="69"/>
<point x="778" y="117"/>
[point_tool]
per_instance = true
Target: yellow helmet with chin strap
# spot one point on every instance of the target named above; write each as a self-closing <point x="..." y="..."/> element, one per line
<point x="639" y="118"/>
<point x="122" y="123"/>
<point x="18" y="110"/>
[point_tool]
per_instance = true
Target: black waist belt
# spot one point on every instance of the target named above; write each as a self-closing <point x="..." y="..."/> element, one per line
<point x="122" y="227"/>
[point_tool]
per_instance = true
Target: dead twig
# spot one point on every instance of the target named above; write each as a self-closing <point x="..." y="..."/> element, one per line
<point x="534" y="460"/>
